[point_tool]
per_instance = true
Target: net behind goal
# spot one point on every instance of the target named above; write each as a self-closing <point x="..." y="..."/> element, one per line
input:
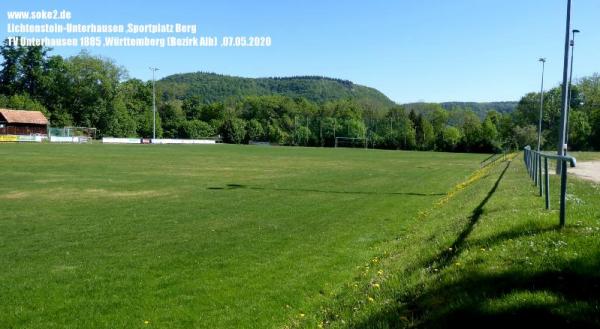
<point x="73" y="132"/>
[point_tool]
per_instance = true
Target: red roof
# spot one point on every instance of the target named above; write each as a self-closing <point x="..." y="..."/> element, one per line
<point x="19" y="116"/>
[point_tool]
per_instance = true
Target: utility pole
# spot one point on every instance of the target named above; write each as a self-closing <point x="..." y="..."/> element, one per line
<point x="543" y="60"/>
<point x="153" y="69"/>
<point x="561" y="166"/>
<point x="562" y="147"/>
<point x="571" y="67"/>
<point x="570" y="82"/>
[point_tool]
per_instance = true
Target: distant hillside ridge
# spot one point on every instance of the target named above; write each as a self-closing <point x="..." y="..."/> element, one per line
<point x="480" y="108"/>
<point x="502" y="107"/>
<point x="212" y="87"/>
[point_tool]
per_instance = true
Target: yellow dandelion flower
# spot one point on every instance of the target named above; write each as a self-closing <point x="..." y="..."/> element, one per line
<point x="370" y="299"/>
<point x="302" y="315"/>
<point x="146" y="322"/>
<point x="376" y="285"/>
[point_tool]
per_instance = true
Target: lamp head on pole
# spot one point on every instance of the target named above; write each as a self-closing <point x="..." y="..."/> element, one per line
<point x="542" y="59"/>
<point x="572" y="43"/>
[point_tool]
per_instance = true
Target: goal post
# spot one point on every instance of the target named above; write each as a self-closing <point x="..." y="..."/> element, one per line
<point x="352" y="142"/>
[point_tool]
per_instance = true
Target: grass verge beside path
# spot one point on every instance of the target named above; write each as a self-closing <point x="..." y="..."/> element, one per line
<point x="491" y="257"/>
<point x="586" y="156"/>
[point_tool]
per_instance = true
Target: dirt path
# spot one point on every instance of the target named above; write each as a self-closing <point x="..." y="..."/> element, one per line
<point x="589" y="170"/>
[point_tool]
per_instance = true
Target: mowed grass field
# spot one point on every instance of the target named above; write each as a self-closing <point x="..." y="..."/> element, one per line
<point x="107" y="236"/>
<point x="491" y="257"/>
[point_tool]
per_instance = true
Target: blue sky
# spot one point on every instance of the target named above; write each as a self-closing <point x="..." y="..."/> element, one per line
<point x="425" y="50"/>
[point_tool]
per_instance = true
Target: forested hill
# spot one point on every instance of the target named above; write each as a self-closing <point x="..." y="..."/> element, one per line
<point x="481" y="109"/>
<point x="501" y="107"/>
<point x="213" y="87"/>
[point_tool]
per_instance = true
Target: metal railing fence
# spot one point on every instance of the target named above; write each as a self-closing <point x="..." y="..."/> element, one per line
<point x="541" y="177"/>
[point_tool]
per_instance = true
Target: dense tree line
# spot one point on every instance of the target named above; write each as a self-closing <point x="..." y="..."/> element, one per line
<point x="584" y="115"/>
<point x="92" y="91"/>
<point x="481" y="109"/>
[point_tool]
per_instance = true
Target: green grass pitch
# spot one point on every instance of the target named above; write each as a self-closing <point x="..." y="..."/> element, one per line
<point x="222" y="236"/>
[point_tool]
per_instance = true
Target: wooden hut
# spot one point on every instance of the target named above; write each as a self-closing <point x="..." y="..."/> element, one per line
<point x="18" y="122"/>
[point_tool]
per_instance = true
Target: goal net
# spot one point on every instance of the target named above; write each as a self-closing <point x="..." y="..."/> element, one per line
<point x="73" y="132"/>
<point x="354" y="142"/>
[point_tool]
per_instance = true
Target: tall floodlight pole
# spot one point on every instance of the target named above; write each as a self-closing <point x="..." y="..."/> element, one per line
<point x="153" y="69"/>
<point x="570" y="80"/>
<point x="571" y="67"/>
<point x="543" y="60"/>
<point x="562" y="147"/>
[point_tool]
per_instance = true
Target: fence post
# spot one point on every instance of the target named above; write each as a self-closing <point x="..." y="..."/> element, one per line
<point x="563" y="191"/>
<point x="540" y="175"/>
<point x="534" y="159"/>
<point x="535" y="168"/>
<point x="537" y="164"/>
<point x="527" y="163"/>
<point x="529" y="173"/>
<point x="547" y="181"/>
<point x="539" y="168"/>
<point x="527" y="160"/>
<point x="531" y="164"/>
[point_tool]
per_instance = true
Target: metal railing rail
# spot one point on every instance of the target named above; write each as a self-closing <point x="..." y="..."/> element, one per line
<point x="533" y="162"/>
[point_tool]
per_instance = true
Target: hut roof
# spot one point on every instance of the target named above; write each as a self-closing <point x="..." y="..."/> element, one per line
<point x="19" y="116"/>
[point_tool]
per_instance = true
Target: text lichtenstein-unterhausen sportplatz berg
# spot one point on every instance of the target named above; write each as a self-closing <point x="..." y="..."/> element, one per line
<point x="53" y="28"/>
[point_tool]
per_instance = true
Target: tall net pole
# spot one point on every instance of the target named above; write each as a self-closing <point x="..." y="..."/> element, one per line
<point x="153" y="69"/>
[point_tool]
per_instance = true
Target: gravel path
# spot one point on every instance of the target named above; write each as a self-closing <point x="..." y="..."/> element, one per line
<point x="589" y="170"/>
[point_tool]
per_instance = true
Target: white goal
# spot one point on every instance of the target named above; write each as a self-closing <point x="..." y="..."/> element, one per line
<point x="354" y="142"/>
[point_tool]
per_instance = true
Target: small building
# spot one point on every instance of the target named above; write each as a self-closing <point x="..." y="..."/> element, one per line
<point x="18" y="122"/>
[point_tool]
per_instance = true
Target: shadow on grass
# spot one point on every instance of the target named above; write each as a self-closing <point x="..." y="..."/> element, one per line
<point x="228" y="187"/>
<point x="492" y="301"/>
<point x="444" y="258"/>
<point x="239" y="186"/>
<point x="571" y="299"/>
<point x="486" y="159"/>
<point x="516" y="233"/>
<point x="567" y="296"/>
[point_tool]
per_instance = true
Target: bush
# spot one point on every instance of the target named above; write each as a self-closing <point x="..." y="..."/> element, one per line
<point x="195" y="129"/>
